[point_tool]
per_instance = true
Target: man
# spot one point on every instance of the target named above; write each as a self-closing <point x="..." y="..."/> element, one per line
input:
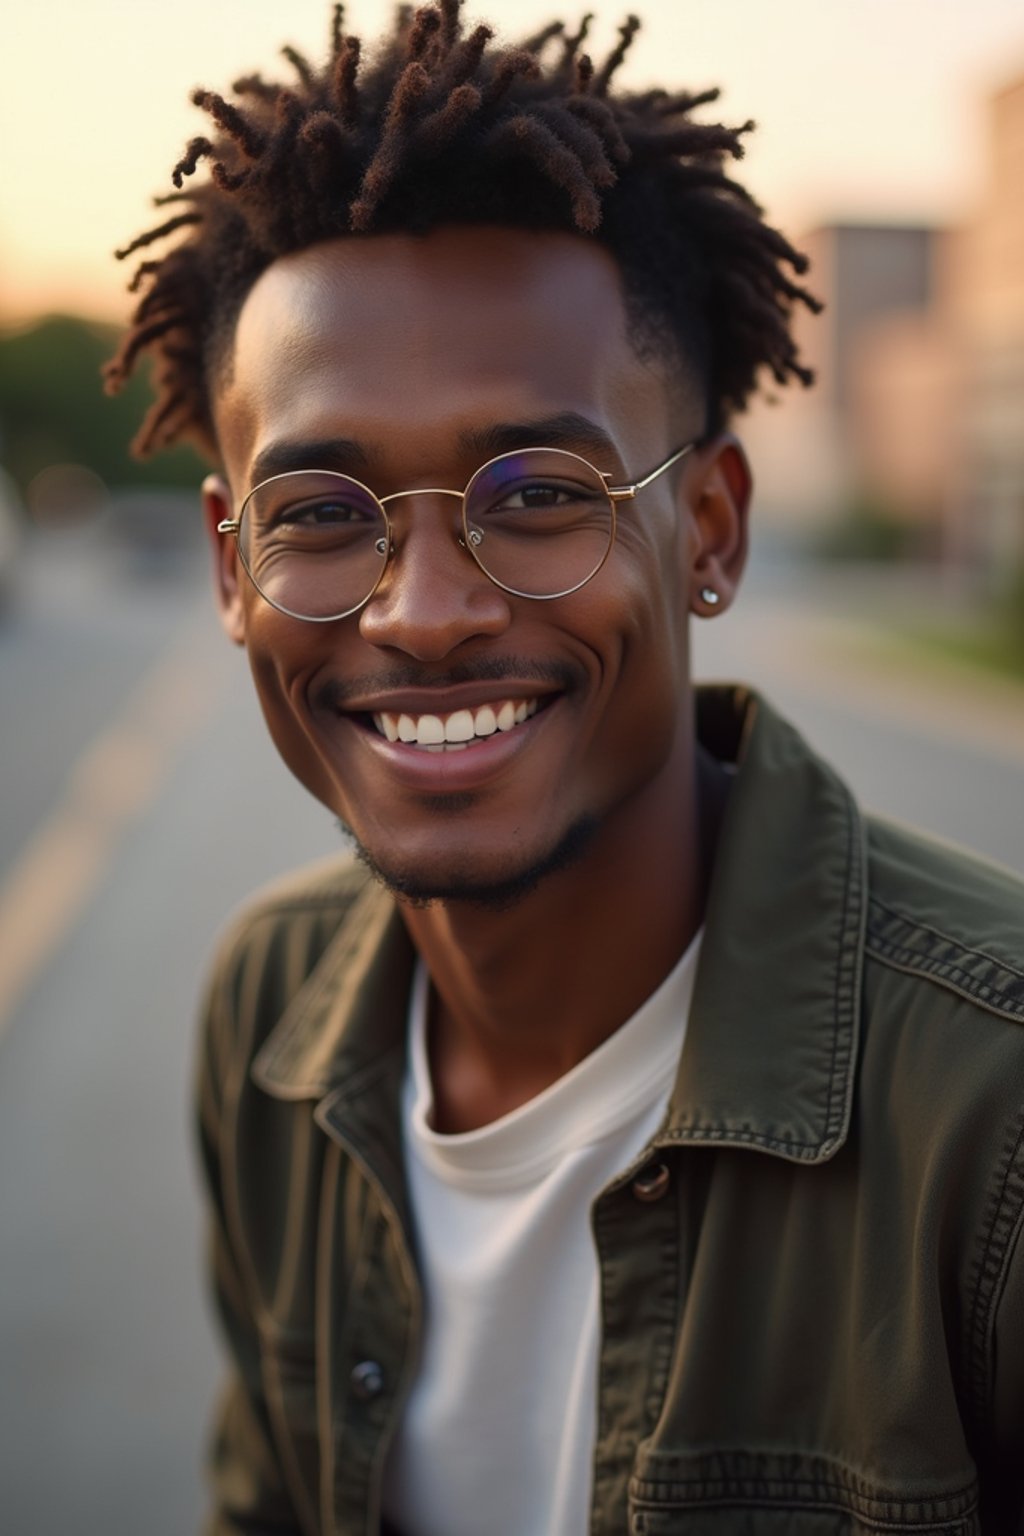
<point x="632" y="1139"/>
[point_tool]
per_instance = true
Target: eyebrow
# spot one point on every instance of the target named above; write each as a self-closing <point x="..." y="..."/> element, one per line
<point x="342" y="454"/>
<point x="567" y="429"/>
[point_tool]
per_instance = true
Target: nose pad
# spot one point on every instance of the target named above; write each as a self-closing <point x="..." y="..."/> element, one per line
<point x="413" y="524"/>
<point x="432" y="595"/>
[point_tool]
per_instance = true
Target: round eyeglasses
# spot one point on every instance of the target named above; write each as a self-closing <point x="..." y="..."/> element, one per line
<point x="539" y="523"/>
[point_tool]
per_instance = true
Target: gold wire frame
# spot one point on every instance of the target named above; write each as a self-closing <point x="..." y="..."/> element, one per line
<point x="615" y="494"/>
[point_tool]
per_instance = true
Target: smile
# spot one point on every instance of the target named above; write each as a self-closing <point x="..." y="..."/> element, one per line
<point x="456" y="731"/>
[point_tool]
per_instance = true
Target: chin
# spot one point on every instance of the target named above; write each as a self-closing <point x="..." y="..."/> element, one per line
<point x="496" y="885"/>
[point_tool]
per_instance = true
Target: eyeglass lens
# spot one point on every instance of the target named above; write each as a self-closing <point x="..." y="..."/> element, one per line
<point x="315" y="543"/>
<point x="538" y="522"/>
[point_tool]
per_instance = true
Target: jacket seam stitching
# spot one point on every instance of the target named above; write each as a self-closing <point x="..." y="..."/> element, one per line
<point x="875" y="1522"/>
<point x="947" y="938"/>
<point x="831" y="1128"/>
<point x="909" y="964"/>
<point x="713" y="1132"/>
<point x="988" y="1268"/>
<point x="948" y="1507"/>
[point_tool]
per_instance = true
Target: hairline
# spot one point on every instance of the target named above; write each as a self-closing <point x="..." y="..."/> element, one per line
<point x="653" y="340"/>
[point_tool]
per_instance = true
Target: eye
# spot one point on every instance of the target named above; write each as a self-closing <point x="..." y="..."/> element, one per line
<point x="325" y="512"/>
<point x="539" y="496"/>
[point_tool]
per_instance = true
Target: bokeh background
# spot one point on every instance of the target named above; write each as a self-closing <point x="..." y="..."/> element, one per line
<point x="884" y="611"/>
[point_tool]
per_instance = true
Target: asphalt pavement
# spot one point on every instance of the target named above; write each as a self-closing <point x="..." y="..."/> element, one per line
<point x="141" y="802"/>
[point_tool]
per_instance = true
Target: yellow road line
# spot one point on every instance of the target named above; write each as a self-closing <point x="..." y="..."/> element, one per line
<point x="110" y="786"/>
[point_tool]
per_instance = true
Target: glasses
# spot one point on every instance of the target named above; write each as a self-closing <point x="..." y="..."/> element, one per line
<point x="539" y="523"/>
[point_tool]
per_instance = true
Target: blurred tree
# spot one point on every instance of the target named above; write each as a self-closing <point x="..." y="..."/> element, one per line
<point x="53" y="409"/>
<point x="1014" y="615"/>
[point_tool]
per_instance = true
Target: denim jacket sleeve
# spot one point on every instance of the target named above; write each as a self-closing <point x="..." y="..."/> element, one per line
<point x="249" y="1490"/>
<point x="262" y="1160"/>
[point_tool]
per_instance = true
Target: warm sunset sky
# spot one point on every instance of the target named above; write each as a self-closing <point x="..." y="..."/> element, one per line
<point x="866" y="107"/>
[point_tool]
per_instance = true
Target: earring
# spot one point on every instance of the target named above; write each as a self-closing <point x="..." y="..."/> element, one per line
<point x="710" y="596"/>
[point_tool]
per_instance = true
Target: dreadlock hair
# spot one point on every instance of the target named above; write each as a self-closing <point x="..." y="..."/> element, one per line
<point x="443" y="126"/>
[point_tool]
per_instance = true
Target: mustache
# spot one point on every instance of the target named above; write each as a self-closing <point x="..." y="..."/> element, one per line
<point x="335" y="693"/>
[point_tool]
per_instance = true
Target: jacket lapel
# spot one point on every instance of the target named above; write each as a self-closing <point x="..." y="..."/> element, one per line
<point x="341" y="1041"/>
<point x="770" y="1049"/>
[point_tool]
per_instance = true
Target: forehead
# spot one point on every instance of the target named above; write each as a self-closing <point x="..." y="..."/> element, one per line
<point x="401" y="342"/>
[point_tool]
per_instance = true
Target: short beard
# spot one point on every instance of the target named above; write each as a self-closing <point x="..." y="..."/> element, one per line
<point x="495" y="895"/>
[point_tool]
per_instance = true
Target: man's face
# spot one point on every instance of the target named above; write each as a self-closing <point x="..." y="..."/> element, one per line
<point x="397" y="359"/>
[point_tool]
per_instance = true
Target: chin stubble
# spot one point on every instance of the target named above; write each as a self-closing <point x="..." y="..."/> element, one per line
<point x="495" y="894"/>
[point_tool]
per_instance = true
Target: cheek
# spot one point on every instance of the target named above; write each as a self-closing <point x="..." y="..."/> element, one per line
<point x="653" y="593"/>
<point x="656" y="669"/>
<point x="637" y="619"/>
<point x="277" y="674"/>
<point x="655" y="649"/>
<point x="663" y="604"/>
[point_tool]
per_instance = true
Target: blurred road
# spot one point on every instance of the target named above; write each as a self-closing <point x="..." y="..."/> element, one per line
<point x="141" y="802"/>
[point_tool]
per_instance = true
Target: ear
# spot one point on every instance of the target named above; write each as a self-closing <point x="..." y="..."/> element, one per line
<point x="719" y="490"/>
<point x="217" y="505"/>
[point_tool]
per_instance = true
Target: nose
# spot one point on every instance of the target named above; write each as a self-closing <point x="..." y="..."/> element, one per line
<point x="433" y="596"/>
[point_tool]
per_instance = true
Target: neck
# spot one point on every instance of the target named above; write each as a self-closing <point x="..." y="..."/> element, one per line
<point x="521" y="996"/>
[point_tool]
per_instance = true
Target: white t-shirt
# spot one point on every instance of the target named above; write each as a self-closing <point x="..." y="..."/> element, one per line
<point x="498" y="1432"/>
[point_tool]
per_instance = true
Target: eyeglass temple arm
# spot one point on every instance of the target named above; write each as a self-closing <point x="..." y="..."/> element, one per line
<point x="616" y="492"/>
<point x="627" y="492"/>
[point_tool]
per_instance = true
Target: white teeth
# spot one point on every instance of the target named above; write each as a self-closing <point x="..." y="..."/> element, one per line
<point x="387" y="725"/>
<point x="459" y="727"/>
<point x="457" y="730"/>
<point x="430" y="732"/>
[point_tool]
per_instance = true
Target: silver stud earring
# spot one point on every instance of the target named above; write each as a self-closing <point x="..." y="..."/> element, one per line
<point x="710" y="596"/>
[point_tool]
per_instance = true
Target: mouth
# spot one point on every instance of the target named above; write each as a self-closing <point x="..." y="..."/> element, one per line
<point x="458" y="730"/>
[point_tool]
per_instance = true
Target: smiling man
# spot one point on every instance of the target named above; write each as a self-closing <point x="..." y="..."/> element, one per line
<point x="630" y="1140"/>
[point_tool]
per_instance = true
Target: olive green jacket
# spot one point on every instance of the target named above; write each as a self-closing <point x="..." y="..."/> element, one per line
<point x="812" y="1283"/>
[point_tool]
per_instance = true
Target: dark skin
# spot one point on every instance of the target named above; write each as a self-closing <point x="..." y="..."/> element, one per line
<point x="397" y="359"/>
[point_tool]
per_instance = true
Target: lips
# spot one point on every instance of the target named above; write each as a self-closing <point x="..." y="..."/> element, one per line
<point x="456" y="730"/>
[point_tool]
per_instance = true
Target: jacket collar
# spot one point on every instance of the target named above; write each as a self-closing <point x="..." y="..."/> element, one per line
<point x="771" y="1044"/>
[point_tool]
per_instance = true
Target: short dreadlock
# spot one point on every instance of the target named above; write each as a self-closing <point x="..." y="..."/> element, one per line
<point x="444" y="127"/>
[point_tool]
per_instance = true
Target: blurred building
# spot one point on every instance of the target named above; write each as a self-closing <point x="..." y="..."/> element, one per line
<point x="816" y="457"/>
<point x="918" y="413"/>
<point x="985" y="308"/>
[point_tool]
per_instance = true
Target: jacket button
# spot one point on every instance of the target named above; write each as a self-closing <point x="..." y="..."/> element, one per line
<point x="367" y="1380"/>
<point x="652" y="1183"/>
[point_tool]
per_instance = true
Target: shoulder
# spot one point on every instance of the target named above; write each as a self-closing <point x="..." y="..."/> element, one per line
<point x="940" y="1122"/>
<point x="270" y="948"/>
<point x="946" y="917"/>
<point x="300" y="912"/>
<point x="942" y="1043"/>
<point x="329" y="885"/>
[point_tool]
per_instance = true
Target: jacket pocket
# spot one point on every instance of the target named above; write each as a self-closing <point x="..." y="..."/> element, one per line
<point x="756" y="1493"/>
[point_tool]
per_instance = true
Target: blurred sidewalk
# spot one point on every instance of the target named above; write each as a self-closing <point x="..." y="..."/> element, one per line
<point x="839" y="631"/>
